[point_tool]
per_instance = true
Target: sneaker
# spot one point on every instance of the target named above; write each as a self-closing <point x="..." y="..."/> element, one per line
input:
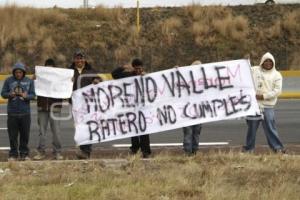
<point x="133" y="151"/>
<point x="39" y="156"/>
<point x="250" y="151"/>
<point x="82" y="155"/>
<point x="146" y="155"/>
<point x="280" y="151"/>
<point x="11" y="159"/>
<point x="25" y="158"/>
<point x="189" y="154"/>
<point x="58" y="156"/>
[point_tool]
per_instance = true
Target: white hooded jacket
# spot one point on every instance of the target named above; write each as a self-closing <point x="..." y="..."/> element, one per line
<point x="267" y="82"/>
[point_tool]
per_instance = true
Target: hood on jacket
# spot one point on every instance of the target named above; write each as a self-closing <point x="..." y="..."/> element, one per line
<point x="266" y="56"/>
<point x="20" y="66"/>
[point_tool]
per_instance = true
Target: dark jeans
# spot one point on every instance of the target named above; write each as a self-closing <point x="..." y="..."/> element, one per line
<point x="87" y="149"/>
<point x="142" y="142"/>
<point x="18" y="124"/>
<point x="191" y="138"/>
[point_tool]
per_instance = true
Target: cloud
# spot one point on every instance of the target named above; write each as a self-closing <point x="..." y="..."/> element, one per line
<point x="124" y="3"/>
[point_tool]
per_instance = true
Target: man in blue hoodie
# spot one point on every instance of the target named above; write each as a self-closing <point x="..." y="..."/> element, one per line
<point x="19" y="90"/>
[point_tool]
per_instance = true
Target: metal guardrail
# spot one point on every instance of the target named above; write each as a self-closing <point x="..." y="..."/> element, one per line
<point x="284" y="95"/>
<point x="3" y="77"/>
<point x="103" y="76"/>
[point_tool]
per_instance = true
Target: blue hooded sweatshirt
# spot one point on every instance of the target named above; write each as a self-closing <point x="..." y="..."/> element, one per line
<point x="18" y="104"/>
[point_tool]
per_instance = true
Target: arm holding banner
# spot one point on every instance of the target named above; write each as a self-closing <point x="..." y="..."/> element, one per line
<point x="122" y="72"/>
<point x="268" y="86"/>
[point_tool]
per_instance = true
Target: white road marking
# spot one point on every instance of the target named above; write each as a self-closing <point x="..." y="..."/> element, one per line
<point x="3" y="128"/>
<point x="174" y="144"/>
<point x="4" y="148"/>
<point x="3" y="114"/>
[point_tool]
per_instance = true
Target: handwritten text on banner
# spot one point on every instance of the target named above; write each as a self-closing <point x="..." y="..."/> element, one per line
<point x="163" y="101"/>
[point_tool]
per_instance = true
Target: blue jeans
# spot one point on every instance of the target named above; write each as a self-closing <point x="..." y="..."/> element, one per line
<point x="191" y="138"/>
<point x="270" y="130"/>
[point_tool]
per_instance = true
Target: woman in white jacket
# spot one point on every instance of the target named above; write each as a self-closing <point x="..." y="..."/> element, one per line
<point x="268" y="85"/>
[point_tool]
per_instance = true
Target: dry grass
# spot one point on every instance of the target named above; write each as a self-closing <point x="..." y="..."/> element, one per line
<point x="235" y="28"/>
<point x="291" y="22"/>
<point x="291" y="27"/>
<point x="168" y="37"/>
<point x="213" y="25"/>
<point x="295" y="61"/>
<point x="170" y="28"/>
<point x="209" y="13"/>
<point x="206" y="176"/>
<point x="203" y="19"/>
<point x="288" y="27"/>
<point x="275" y="31"/>
<point x="28" y="36"/>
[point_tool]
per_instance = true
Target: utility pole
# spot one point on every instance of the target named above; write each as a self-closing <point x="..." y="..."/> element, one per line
<point x="138" y="28"/>
<point x="138" y="16"/>
<point x="85" y="3"/>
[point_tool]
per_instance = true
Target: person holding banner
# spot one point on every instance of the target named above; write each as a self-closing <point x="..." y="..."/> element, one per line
<point x="139" y="142"/>
<point x="84" y="75"/>
<point x="47" y="109"/>
<point x="191" y="134"/>
<point x="268" y="85"/>
<point x="19" y="90"/>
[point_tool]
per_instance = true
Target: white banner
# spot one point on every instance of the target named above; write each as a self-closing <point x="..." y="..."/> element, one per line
<point x="53" y="82"/>
<point x="163" y="101"/>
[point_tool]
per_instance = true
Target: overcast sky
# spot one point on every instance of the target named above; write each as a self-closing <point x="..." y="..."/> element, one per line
<point x="128" y="3"/>
<point x="124" y="3"/>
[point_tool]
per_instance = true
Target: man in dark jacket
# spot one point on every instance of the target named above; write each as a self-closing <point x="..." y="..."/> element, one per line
<point x="135" y="69"/>
<point x="47" y="108"/>
<point x="19" y="90"/>
<point x="84" y="75"/>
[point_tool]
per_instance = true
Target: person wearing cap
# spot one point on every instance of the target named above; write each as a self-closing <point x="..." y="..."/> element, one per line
<point x="136" y="68"/>
<point x="19" y="90"/>
<point x="84" y="75"/>
<point x="47" y="108"/>
<point x="191" y="134"/>
<point x="268" y="86"/>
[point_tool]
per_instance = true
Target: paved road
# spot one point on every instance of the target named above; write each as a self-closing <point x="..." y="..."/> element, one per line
<point x="232" y="131"/>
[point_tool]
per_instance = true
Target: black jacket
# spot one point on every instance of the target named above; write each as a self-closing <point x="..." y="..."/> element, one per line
<point x="121" y="73"/>
<point x="44" y="104"/>
<point x="85" y="81"/>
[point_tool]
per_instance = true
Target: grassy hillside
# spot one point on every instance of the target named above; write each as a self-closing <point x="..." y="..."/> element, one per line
<point x="168" y="37"/>
<point x="165" y="177"/>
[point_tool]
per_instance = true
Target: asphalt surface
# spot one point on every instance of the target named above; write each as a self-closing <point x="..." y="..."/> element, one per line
<point x="231" y="131"/>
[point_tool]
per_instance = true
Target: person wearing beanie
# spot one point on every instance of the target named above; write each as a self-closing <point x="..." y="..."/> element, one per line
<point x="47" y="108"/>
<point x="136" y="68"/>
<point x="84" y="75"/>
<point x="19" y="90"/>
<point x="268" y="86"/>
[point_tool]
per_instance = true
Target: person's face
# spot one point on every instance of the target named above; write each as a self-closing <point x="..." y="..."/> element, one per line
<point x="268" y="64"/>
<point x="18" y="74"/>
<point x="138" y="70"/>
<point x="79" y="61"/>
